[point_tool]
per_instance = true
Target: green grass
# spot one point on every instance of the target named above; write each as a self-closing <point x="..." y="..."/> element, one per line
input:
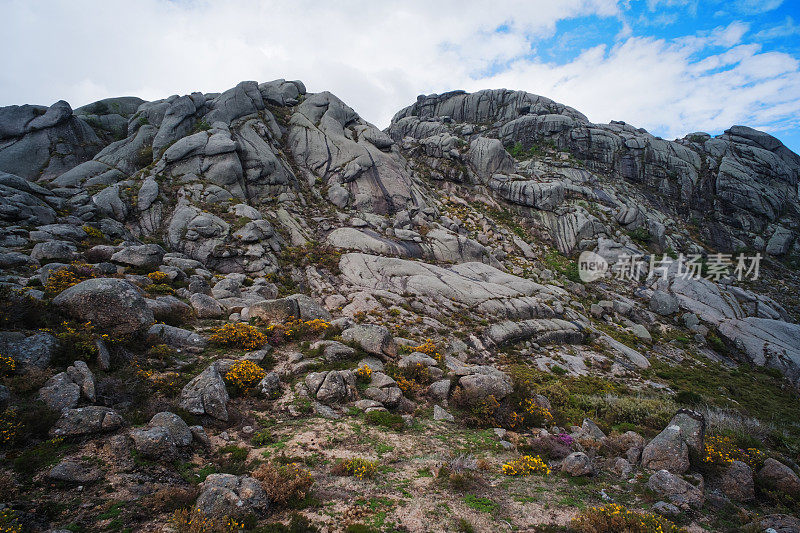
<point x="485" y="505"/>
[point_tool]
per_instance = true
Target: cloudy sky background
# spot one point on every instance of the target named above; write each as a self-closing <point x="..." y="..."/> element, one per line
<point x="670" y="66"/>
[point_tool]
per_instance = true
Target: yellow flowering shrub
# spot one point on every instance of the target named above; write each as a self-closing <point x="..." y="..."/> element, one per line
<point x="363" y="373"/>
<point x="615" y="518"/>
<point x="77" y="341"/>
<point x="7" y="365"/>
<point x="244" y="375"/>
<point x="9" y="522"/>
<point x="238" y="336"/>
<point x="357" y="467"/>
<point x="278" y="334"/>
<point x="721" y="451"/>
<point x="428" y="348"/>
<point x="195" y="521"/>
<point x="10" y="427"/>
<point x="526" y="465"/>
<point x="93" y="233"/>
<point x="66" y="277"/>
<point x="158" y="277"/>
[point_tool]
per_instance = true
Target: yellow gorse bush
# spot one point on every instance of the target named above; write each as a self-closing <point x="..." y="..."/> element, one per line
<point x="195" y="521"/>
<point x="360" y="468"/>
<point x="526" y="465"/>
<point x="363" y="373"/>
<point x="10" y="427"/>
<point x="238" y="336"/>
<point x="158" y="277"/>
<point x="615" y="518"/>
<point x="7" y="365"/>
<point x="428" y="348"/>
<point x="9" y="523"/>
<point x="720" y="451"/>
<point x="244" y="374"/>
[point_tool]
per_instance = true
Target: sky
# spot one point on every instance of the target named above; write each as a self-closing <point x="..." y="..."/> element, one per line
<point x="671" y="66"/>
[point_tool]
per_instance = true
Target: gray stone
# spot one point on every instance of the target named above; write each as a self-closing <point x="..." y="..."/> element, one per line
<point x="80" y="374"/>
<point x="663" y="303"/>
<point x="154" y="443"/>
<point x="668" y="451"/>
<point x="181" y="339"/>
<point x="441" y="414"/>
<point x="676" y="490"/>
<point x="693" y="429"/>
<point x="373" y="339"/>
<point x="86" y="421"/>
<point x="488" y="382"/>
<point x="592" y="430"/>
<point x="270" y="385"/>
<point x="112" y="305"/>
<point x="226" y="495"/>
<point x="205" y="306"/>
<point x="60" y="392"/>
<point x="577" y="464"/>
<point x="206" y="394"/>
<point x="737" y="482"/>
<point x="177" y="429"/>
<point x="74" y="471"/>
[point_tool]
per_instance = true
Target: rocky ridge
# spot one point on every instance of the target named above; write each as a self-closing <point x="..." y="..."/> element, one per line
<point x="431" y="265"/>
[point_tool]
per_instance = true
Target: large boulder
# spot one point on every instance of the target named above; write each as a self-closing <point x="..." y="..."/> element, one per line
<point x="776" y="476"/>
<point x="85" y="421"/>
<point x="486" y="381"/>
<point x="206" y="394"/>
<point x="667" y="451"/>
<point x="331" y="386"/>
<point x="577" y="464"/>
<point x="693" y="429"/>
<point x="372" y="338"/>
<point x="60" y="392"/>
<point x="113" y="305"/>
<point x="737" y="482"/>
<point x="677" y="490"/>
<point x="226" y="495"/>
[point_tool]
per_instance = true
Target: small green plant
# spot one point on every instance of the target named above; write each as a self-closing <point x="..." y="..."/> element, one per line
<point x="262" y="438"/>
<point x="385" y="419"/>
<point x="485" y="505"/>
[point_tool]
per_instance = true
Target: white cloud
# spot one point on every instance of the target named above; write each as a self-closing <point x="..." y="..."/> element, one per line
<point x="787" y="29"/>
<point x="377" y="56"/>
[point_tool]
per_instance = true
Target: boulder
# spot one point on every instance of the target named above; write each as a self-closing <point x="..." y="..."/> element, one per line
<point x="373" y="339"/>
<point x="737" y="482"/>
<point x="146" y="256"/>
<point x="667" y="451"/>
<point x="693" y="429"/>
<point x="80" y="374"/>
<point x="577" y="464"/>
<point x="206" y="394"/>
<point x="663" y="303"/>
<point x="487" y="381"/>
<point x="227" y="495"/>
<point x="86" y="421"/>
<point x="205" y="306"/>
<point x="74" y="471"/>
<point x="776" y="476"/>
<point x="36" y="350"/>
<point x="113" y="305"/>
<point x="154" y="443"/>
<point x="181" y="339"/>
<point x="177" y="429"/>
<point x="331" y="386"/>
<point x="60" y="392"/>
<point x="675" y="489"/>
<point x="440" y="413"/>
<point x="270" y="385"/>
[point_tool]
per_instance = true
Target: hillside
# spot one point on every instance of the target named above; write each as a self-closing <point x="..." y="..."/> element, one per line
<point x="253" y="310"/>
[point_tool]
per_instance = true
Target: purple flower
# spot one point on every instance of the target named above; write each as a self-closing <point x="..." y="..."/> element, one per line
<point x="565" y="439"/>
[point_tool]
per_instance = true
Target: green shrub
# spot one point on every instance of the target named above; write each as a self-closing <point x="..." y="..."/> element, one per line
<point x="385" y="419"/>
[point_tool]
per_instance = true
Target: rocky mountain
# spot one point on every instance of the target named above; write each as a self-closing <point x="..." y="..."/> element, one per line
<point x="222" y="308"/>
